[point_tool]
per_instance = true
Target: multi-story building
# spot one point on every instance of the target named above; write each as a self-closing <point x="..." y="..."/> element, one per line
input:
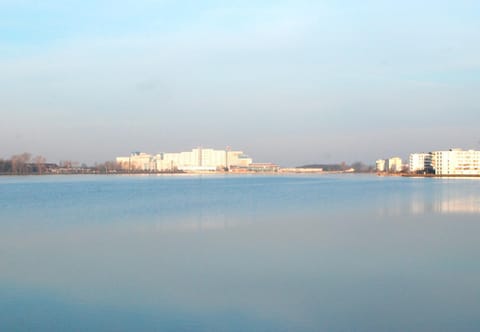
<point x="420" y="162"/>
<point x="380" y="165"/>
<point x="138" y="161"/>
<point x="456" y="162"/>
<point x="196" y="160"/>
<point x="393" y="165"/>
<point x="390" y="165"/>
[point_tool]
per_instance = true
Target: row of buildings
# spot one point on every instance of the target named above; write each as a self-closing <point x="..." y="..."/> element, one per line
<point x="448" y="162"/>
<point x="196" y="160"/>
<point x="390" y="165"/>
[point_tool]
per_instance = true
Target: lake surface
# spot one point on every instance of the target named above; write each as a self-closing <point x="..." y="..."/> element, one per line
<point x="239" y="253"/>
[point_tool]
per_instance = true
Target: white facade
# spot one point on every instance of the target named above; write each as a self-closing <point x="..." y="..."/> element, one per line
<point x="393" y="165"/>
<point x="419" y="162"/>
<point x="138" y="161"/>
<point x="380" y="165"/>
<point x="196" y="160"/>
<point x="456" y="162"/>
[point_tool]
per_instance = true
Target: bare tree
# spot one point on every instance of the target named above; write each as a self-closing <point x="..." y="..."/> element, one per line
<point x="66" y="164"/>
<point x="20" y="163"/>
<point x="107" y="167"/>
<point x="40" y="164"/>
<point x="5" y="166"/>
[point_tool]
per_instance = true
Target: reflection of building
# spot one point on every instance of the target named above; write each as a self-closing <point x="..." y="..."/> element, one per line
<point x="463" y="205"/>
<point x="437" y="198"/>
<point x="196" y="160"/>
<point x="456" y="162"/>
<point x="420" y="162"/>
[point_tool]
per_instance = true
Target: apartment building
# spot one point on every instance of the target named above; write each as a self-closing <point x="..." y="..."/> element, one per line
<point x="137" y="161"/>
<point x="380" y="165"/>
<point x="420" y="162"/>
<point x="393" y="165"/>
<point x="198" y="159"/>
<point x="456" y="162"/>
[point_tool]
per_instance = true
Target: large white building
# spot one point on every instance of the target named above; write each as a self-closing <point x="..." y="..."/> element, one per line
<point x="137" y="161"/>
<point x="380" y="165"/>
<point x="393" y="164"/>
<point x="456" y="162"/>
<point x="420" y="162"/>
<point x="196" y="160"/>
<point x="390" y="165"/>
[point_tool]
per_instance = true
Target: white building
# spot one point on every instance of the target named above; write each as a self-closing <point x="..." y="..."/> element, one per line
<point x="380" y="165"/>
<point x="196" y="160"/>
<point x="456" y="162"/>
<point x="393" y="165"/>
<point x="419" y="162"/>
<point x="138" y="161"/>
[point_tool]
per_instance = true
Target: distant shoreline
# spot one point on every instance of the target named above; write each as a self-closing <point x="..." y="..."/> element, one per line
<point x="189" y="173"/>
<point x="279" y="173"/>
<point x="408" y="175"/>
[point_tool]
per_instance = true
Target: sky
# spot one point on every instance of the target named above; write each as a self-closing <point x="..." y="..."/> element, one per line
<point x="290" y="82"/>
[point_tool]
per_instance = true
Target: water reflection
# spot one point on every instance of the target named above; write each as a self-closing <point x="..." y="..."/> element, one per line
<point x="432" y="198"/>
<point x="265" y="254"/>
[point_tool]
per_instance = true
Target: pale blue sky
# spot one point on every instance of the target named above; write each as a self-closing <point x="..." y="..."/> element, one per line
<point x="291" y="82"/>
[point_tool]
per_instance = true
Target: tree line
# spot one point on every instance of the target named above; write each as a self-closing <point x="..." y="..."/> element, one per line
<point x="26" y="164"/>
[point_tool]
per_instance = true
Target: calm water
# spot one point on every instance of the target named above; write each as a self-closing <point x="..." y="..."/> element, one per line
<point x="239" y="253"/>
